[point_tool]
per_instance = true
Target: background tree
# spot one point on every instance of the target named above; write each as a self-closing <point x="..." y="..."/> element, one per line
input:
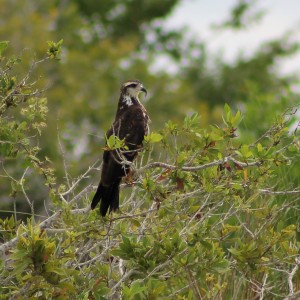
<point x="214" y="209"/>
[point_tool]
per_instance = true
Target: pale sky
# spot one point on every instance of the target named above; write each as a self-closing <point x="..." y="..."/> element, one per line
<point x="198" y="15"/>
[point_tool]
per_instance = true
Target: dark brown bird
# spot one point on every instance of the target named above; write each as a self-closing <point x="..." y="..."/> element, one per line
<point x="130" y="125"/>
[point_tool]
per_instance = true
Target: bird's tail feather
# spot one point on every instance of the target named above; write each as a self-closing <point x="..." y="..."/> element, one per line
<point x="97" y="197"/>
<point x="109" y="197"/>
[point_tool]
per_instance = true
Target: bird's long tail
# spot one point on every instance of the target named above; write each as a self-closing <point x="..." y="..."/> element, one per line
<point x="109" y="196"/>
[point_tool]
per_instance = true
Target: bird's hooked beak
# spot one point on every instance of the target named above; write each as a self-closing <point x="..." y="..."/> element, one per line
<point x="144" y="90"/>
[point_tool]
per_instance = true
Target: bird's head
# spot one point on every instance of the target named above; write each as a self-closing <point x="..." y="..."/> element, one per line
<point x="133" y="88"/>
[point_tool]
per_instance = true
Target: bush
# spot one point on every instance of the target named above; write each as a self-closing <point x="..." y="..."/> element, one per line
<point x="211" y="217"/>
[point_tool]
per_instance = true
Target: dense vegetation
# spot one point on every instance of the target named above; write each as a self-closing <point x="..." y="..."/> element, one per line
<point x="213" y="211"/>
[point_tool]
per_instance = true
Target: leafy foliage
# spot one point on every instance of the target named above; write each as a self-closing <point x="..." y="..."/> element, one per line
<point x="243" y="14"/>
<point x="23" y="113"/>
<point x="211" y="211"/>
<point x="208" y="220"/>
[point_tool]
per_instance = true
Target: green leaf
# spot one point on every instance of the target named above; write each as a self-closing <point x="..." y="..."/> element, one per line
<point x="244" y="152"/>
<point x="153" y="137"/>
<point x="206" y="244"/>
<point x="118" y="252"/>
<point x="3" y="46"/>
<point x="100" y="290"/>
<point x="228" y="113"/>
<point x="137" y="288"/>
<point x="54" y="48"/>
<point x="135" y="222"/>
<point x="191" y="121"/>
<point x="113" y="142"/>
<point x="259" y="147"/>
<point x="49" y="268"/>
<point x="237" y="119"/>
<point x="181" y="158"/>
<point x="221" y="266"/>
<point x="234" y="252"/>
<point x="19" y="254"/>
<point x="20" y="266"/>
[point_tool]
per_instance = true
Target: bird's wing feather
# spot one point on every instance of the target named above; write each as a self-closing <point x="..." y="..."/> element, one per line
<point x="131" y="126"/>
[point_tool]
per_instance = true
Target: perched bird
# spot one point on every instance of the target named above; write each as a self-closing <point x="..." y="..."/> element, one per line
<point x="130" y="125"/>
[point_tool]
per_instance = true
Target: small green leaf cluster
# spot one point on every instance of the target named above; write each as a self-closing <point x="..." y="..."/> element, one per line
<point x="8" y="228"/>
<point x="54" y="49"/>
<point x="37" y="262"/>
<point x="114" y="142"/>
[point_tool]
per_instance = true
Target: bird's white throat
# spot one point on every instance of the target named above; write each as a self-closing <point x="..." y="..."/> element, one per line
<point x="127" y="100"/>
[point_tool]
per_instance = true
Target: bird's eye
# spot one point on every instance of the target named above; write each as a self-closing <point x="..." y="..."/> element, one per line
<point x="133" y="85"/>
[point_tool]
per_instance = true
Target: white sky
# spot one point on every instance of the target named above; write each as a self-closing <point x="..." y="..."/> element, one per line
<point x="198" y="15"/>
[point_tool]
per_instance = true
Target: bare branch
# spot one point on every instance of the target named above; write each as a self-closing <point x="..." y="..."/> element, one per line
<point x="79" y="179"/>
<point x="200" y="167"/>
<point x="291" y="276"/>
<point x="269" y="192"/>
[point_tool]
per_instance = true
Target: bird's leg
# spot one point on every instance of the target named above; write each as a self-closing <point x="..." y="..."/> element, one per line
<point x="129" y="177"/>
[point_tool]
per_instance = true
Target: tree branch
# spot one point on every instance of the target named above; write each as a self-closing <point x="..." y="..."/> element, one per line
<point x="200" y="167"/>
<point x="291" y="276"/>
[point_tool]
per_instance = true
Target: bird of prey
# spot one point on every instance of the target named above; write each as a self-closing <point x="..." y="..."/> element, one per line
<point x="130" y="125"/>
